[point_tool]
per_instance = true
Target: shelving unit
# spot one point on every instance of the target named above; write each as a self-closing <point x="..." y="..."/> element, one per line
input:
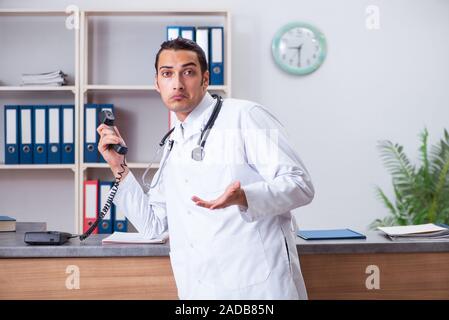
<point x="21" y="185"/>
<point x="114" y="55"/>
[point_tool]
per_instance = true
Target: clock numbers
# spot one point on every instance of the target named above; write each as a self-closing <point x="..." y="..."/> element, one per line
<point x="299" y="48"/>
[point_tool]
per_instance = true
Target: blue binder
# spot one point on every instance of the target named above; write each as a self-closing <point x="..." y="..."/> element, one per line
<point x="12" y="136"/>
<point x="216" y="51"/>
<point x="90" y="133"/>
<point x="68" y="133"/>
<point x="26" y="134"/>
<point x="173" y="32"/>
<point x="54" y="134"/>
<point x="120" y="221"/>
<point x="40" y="134"/>
<point x="101" y="107"/>
<point x="106" y="224"/>
<point x="188" y="33"/>
<point x="330" y="234"/>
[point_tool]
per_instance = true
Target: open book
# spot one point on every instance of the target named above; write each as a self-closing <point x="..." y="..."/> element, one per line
<point x="133" y="237"/>
<point x="429" y="231"/>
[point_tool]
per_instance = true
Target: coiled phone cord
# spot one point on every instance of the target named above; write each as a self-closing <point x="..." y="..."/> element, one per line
<point x="108" y="203"/>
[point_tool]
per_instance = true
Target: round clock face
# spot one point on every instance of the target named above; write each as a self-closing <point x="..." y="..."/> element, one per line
<point x="299" y="48"/>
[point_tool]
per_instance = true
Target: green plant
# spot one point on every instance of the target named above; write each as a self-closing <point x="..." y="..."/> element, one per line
<point x="421" y="193"/>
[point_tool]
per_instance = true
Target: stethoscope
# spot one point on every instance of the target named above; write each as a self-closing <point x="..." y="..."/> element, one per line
<point x="197" y="152"/>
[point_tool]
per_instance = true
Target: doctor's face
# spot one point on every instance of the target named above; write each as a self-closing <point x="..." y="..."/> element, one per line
<point x="180" y="82"/>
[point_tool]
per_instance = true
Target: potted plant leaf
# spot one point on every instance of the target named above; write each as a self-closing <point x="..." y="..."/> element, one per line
<point x="421" y="192"/>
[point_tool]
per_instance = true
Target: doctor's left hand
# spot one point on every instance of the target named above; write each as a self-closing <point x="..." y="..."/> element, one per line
<point x="234" y="195"/>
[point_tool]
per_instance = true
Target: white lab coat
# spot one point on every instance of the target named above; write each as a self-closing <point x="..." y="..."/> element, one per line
<point x="229" y="253"/>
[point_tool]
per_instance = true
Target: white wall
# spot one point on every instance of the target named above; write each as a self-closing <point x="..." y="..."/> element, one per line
<point x="382" y="84"/>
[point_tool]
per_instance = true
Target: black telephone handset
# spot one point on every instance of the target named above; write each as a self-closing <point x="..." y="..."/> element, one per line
<point x="107" y="117"/>
<point x="59" y="238"/>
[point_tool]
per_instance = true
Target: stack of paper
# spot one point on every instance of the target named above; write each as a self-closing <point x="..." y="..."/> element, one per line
<point x="427" y="231"/>
<point x="54" y="78"/>
<point x="133" y="237"/>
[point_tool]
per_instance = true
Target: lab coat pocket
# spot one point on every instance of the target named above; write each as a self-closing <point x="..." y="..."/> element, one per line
<point x="241" y="259"/>
<point x="180" y="272"/>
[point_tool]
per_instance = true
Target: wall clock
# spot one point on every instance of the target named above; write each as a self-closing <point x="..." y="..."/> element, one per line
<point x="299" y="48"/>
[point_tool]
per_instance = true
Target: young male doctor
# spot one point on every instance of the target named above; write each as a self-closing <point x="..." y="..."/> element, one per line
<point x="228" y="209"/>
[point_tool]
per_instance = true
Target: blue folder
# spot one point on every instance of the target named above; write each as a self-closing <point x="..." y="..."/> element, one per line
<point x="330" y="234"/>
<point x="54" y="134"/>
<point x="216" y="54"/>
<point x="188" y="33"/>
<point x="12" y="134"/>
<point x="106" y="224"/>
<point x="90" y="133"/>
<point x="101" y="107"/>
<point x="120" y="221"/>
<point x="26" y="125"/>
<point x="40" y="134"/>
<point x="68" y="133"/>
<point x="173" y="32"/>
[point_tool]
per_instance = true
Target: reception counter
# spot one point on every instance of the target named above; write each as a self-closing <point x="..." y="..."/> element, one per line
<point x="375" y="268"/>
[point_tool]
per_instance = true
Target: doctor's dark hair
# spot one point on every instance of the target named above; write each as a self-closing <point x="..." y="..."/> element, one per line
<point x="183" y="44"/>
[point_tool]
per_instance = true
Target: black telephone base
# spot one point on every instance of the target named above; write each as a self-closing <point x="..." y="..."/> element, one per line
<point x="47" y="238"/>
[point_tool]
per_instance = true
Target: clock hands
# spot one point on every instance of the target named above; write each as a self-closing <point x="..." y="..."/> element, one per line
<point x="299" y="53"/>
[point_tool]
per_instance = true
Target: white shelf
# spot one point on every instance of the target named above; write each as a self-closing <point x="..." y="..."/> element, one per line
<point x="94" y="87"/>
<point x="218" y="88"/>
<point x="131" y="165"/>
<point x="156" y="12"/>
<point x="33" y="12"/>
<point x="37" y="88"/>
<point x="37" y="166"/>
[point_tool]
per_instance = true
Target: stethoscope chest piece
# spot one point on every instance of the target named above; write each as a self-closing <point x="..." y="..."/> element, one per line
<point x="198" y="153"/>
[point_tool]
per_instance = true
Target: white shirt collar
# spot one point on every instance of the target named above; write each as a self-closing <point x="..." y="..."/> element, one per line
<point x="195" y="120"/>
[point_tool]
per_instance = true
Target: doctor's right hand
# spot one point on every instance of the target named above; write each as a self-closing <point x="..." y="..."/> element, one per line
<point x="111" y="135"/>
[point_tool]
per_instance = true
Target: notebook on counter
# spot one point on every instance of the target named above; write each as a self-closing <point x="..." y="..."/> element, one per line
<point x="333" y="234"/>
<point x="133" y="237"/>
